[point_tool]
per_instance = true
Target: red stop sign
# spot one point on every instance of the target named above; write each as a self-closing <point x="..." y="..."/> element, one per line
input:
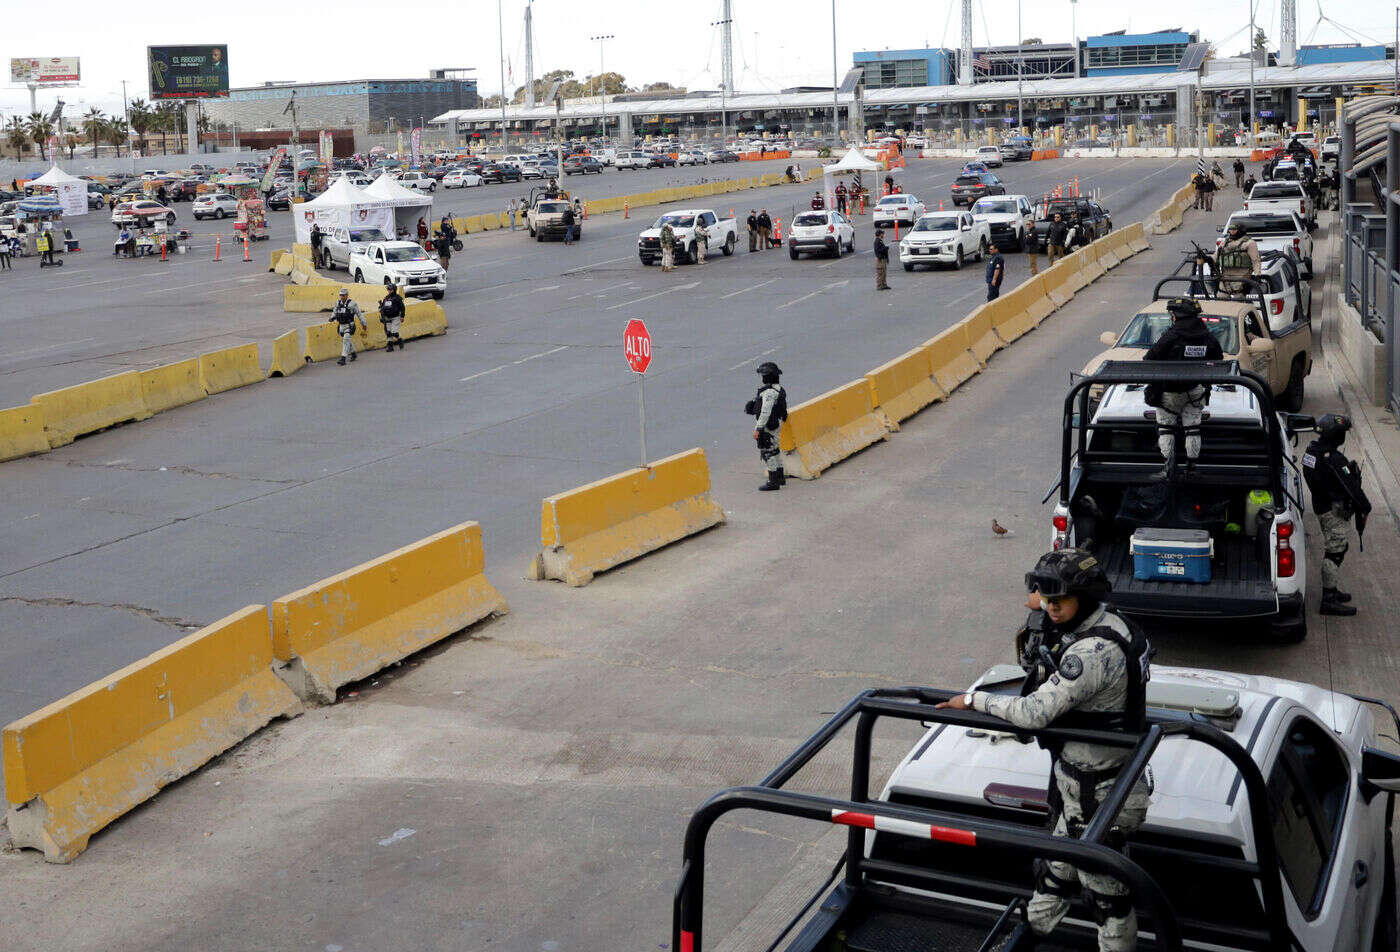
<point x="636" y="346"/>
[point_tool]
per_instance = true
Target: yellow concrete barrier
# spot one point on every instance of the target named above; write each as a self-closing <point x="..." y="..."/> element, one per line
<point x="76" y="765"/>
<point x="982" y="338"/>
<point x="351" y="625"/>
<point x="1058" y="286"/>
<point x="172" y="385"/>
<point x="322" y="343"/>
<point x="275" y="259"/>
<point x="287" y="353"/>
<point x="1076" y="275"/>
<point x="952" y="358"/>
<point x="1089" y="262"/>
<point x="423" y="319"/>
<point x="1107" y="250"/>
<point x="284" y="264"/>
<point x="1039" y="304"/>
<point x="827" y="429"/>
<point x="88" y="407"/>
<point x="490" y="222"/>
<point x="1137" y="237"/>
<point x="302" y="252"/>
<point x="904" y="386"/>
<point x="1010" y="312"/>
<point x="230" y="368"/>
<point x="623" y="517"/>
<point x="321" y="296"/>
<point x="22" y="432"/>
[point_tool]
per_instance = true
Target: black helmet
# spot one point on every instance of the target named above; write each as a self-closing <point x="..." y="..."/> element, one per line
<point x="768" y="369"/>
<point x="1235" y="227"/>
<point x="1332" y="428"/>
<point x="1069" y="572"/>
<point x="1182" y="307"/>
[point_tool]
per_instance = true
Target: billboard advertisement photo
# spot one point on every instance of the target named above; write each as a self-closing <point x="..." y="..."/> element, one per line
<point x="44" y="69"/>
<point x="188" y="72"/>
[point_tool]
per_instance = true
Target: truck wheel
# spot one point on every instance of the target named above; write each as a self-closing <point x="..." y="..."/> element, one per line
<point x="219" y="214"/>
<point x="958" y="259"/>
<point x="531" y="229"/>
<point x="690" y="257"/>
<point x="792" y="253"/>
<point x="1292" y="398"/>
<point x="326" y="263"/>
<point x="728" y="248"/>
<point x="908" y="266"/>
<point x="438" y="295"/>
<point x="646" y="262"/>
<point x="981" y="249"/>
<point x="359" y="277"/>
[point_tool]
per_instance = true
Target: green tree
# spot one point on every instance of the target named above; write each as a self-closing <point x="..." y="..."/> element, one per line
<point x="1261" y="40"/>
<point x="71" y="141"/>
<point x="141" y="118"/>
<point x="94" y="126"/>
<point x="115" y="133"/>
<point x="17" y="135"/>
<point x="662" y="88"/>
<point x="39" y="129"/>
<point x="611" y="83"/>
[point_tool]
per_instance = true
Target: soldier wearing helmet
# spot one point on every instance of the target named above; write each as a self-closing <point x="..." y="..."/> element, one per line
<point x="344" y="315"/>
<point x="1335" y="484"/>
<point x="769" y="410"/>
<point x="1085" y="660"/>
<point x="1237" y="260"/>
<point x="1187" y="339"/>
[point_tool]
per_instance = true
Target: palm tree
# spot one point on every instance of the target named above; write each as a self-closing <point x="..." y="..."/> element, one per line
<point x="115" y="133"/>
<point x="16" y="135"/>
<point x="139" y="113"/>
<point x="94" y="126"/>
<point x="39" y="129"/>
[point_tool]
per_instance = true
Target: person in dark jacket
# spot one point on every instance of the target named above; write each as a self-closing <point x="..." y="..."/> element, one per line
<point x="753" y="230"/>
<point x="568" y="219"/>
<point x="1239" y="173"/>
<point x="1335" y="484"/>
<point x="1207" y="190"/>
<point x="1187" y="339"/>
<point x="765" y="230"/>
<point x="882" y="260"/>
<point x="391" y="311"/>
<point x="443" y="246"/>
<point x="996" y="272"/>
<point x="1055" y="238"/>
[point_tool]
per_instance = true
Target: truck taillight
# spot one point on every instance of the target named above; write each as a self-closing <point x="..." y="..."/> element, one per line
<point x="1295" y="246"/>
<point x="830" y="229"/>
<point x="1287" y="559"/>
<point x="1060" y="521"/>
<point x="1276" y="306"/>
<point x="1302" y="206"/>
<point x="1246" y="206"/>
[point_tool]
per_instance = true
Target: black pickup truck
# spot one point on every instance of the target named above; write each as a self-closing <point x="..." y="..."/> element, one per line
<point x="1092" y="219"/>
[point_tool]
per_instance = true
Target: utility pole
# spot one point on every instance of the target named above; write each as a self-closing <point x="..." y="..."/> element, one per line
<point x="1252" y="113"/>
<point x="1020" y="62"/>
<point x="126" y="114"/>
<point x="602" y="83"/>
<point x="965" y="60"/>
<point x="501" y="49"/>
<point x="1074" y="33"/>
<point x="835" y="87"/>
<point x="726" y="72"/>
<point x="529" y="55"/>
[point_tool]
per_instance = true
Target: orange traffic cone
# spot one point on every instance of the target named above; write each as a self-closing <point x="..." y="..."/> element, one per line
<point x="162" y="250"/>
<point x="896" y="229"/>
<point x="246" y="256"/>
<point x="626" y="210"/>
<point x="217" y="240"/>
<point x="777" y="229"/>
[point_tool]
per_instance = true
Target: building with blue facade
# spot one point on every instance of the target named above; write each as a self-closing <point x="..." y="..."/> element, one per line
<point x="888" y="69"/>
<point x="1128" y="54"/>
<point x="1340" y="53"/>
<point x="364" y="105"/>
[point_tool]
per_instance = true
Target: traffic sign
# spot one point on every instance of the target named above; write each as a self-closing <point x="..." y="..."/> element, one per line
<point x="636" y="346"/>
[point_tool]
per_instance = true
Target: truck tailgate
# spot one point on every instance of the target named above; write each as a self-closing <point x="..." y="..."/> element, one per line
<point x="1241" y="585"/>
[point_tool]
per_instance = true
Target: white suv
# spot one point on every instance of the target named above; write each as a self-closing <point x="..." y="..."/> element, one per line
<point x="419" y="180"/>
<point x="989" y="155"/>
<point x="403" y="262"/>
<point x="827" y="232"/>
<point x="214" y="205"/>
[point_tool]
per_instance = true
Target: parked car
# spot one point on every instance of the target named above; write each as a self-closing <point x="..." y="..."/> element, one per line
<point x="1280" y="195"/>
<point x="461" y="178"/>
<point x="1088" y="218"/>
<point x="214" y="205"/>
<point x="969" y="187"/>
<point x="403" y="262"/>
<point x="1331" y="148"/>
<point x="418" y="180"/>
<point x="692" y="158"/>
<point x="582" y="165"/>
<point x="338" y="243"/>
<point x="944" y="238"/>
<point x="279" y="199"/>
<point x="142" y="214"/>
<point x="500" y="172"/>
<point x="633" y="160"/>
<point x="827" y="232"/>
<point x="662" y="160"/>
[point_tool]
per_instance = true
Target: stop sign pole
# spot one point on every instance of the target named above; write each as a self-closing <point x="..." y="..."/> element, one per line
<point x="636" y="348"/>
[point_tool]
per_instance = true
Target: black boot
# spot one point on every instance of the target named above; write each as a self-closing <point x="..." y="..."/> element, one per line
<point x="1332" y="605"/>
<point x="389" y="347"/>
<point x="353" y="356"/>
<point x="341" y="361"/>
<point x="775" y="481"/>
<point x="782" y="481"/>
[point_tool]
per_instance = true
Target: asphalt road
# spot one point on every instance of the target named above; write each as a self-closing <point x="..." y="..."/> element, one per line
<point x="126" y="540"/>
<point x="525" y="788"/>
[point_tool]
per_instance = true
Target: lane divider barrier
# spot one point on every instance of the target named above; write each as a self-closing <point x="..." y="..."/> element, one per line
<point x="904" y="386"/>
<point x="287" y="354"/>
<point x="88" y="407"/>
<point x="22" y="432"/>
<point x="349" y="626"/>
<point x="623" y="517"/>
<point x="829" y="428"/>
<point x="172" y="385"/>
<point x="73" y="767"/>
<point x="230" y="368"/>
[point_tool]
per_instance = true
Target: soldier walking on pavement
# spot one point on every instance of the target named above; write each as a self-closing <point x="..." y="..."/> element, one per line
<point x="769" y="410"/>
<point x="1239" y="173"/>
<point x="1335" y="484"/>
<point x="346" y="313"/>
<point x="668" y="247"/>
<point x="391" y="312"/>
<point x="882" y="260"/>
<point x="1187" y="339"/>
<point x="1084" y="658"/>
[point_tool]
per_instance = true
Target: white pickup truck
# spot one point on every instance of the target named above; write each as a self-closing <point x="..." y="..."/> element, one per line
<point x="944" y="238"/>
<point x="1010" y="220"/>
<point x="403" y="262"/>
<point x="1282" y="196"/>
<point x="723" y="235"/>
<point x="339" y="243"/>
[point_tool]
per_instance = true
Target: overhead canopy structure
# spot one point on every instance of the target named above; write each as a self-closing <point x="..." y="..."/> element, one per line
<point x="343" y="205"/>
<point x="71" y="191"/>
<point x="852" y="164"/>
<point x="409" y="205"/>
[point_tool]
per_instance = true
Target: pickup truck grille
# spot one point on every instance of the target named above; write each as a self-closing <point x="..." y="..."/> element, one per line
<point x="651" y="244"/>
<point x="1001" y="228"/>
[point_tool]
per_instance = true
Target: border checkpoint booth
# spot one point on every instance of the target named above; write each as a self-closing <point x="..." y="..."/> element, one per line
<point x="408" y="205"/>
<point x="343" y="205"/>
<point x="852" y="164"/>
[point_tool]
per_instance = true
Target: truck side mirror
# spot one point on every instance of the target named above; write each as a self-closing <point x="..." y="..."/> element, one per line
<point x="1381" y="769"/>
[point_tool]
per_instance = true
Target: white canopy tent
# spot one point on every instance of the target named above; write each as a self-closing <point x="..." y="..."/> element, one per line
<point x="408" y="204"/>
<point x="71" y="192"/>
<point x="343" y="205"/>
<point x="853" y="163"/>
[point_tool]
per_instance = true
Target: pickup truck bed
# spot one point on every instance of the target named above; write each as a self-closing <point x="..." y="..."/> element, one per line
<point x="1241" y="584"/>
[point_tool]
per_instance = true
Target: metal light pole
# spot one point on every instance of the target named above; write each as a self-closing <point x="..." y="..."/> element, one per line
<point x="501" y="49"/>
<point x="1020" y="63"/>
<point x="1074" y="33"/>
<point x="1252" y="113"/>
<point x="602" y="83"/>
<point x="726" y="77"/>
<point x="835" y="88"/>
<point x="126" y="114"/>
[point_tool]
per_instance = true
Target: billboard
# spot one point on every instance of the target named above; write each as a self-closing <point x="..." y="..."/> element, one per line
<point x="44" y="69"/>
<point x="188" y="72"/>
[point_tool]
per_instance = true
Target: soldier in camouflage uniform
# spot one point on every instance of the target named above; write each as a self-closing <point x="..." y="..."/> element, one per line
<point x="1335" y="484"/>
<point x="1082" y="657"/>
<point x="668" y="247"/>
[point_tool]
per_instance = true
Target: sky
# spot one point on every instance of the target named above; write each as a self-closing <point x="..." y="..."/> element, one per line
<point x="778" y="43"/>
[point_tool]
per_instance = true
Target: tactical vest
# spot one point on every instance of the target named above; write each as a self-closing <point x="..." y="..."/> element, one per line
<point x="1233" y="260"/>
<point x="342" y="314"/>
<point x="780" y="408"/>
<point x="1138" y="652"/>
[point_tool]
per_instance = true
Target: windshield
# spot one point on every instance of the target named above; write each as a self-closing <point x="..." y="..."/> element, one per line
<point x="809" y="220"/>
<point x="675" y="221"/>
<point x="968" y="180"/>
<point x="1264" y="224"/>
<point x="947" y="223"/>
<point x="1144" y="329"/>
<point x="405" y="254"/>
<point x="1286" y="189"/>
<point x="547" y="207"/>
<point x="367" y="235"/>
<point x="994" y="206"/>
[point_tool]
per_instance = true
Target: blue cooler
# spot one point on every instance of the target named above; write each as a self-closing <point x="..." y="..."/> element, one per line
<point x="1171" y="555"/>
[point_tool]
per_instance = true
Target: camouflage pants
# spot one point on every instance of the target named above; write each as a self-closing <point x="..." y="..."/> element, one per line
<point x="1117" y="933"/>
<point x="1184" y="409"/>
<point x="668" y="258"/>
<point x="347" y="342"/>
<point x="768" y="451"/>
<point x="1334" y="542"/>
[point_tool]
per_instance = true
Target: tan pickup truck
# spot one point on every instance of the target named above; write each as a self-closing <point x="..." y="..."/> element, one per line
<point x="1283" y="357"/>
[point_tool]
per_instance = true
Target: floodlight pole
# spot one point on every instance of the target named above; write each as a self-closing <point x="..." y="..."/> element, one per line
<point x="501" y="49"/>
<point x="602" y="86"/>
<point x="1250" y="124"/>
<point x="835" y="87"/>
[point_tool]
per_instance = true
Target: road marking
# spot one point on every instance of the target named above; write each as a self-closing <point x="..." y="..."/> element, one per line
<point x="679" y="287"/>
<point x="853" y="254"/>
<point x="834" y="284"/>
<point x="599" y="292"/>
<point x="36" y="350"/>
<point x="544" y="353"/>
<point x="484" y="373"/>
<point x="753" y="287"/>
<point x="748" y="360"/>
<point x="585" y="267"/>
<point x="201" y="284"/>
<point x="551" y="287"/>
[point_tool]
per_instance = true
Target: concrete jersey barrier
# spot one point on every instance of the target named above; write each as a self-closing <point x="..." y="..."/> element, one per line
<point x="623" y="517"/>
<point x="88" y="407"/>
<point x="827" y="429"/>
<point x="953" y="361"/>
<point x="904" y="386"/>
<point x="230" y="368"/>
<point x="349" y="626"/>
<point x="76" y="765"/>
<point x="22" y="432"/>
<point x="172" y="385"/>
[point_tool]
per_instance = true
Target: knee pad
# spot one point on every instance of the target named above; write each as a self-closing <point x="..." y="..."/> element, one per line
<point x="1047" y="882"/>
<point x="1336" y="557"/>
<point x="1105" y="906"/>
